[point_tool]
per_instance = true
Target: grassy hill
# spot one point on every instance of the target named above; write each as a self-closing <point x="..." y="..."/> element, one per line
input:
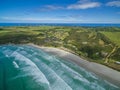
<point x="98" y="44"/>
<point x="113" y="36"/>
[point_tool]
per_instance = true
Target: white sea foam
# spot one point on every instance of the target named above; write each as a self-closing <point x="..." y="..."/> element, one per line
<point x="73" y="73"/>
<point x="57" y="83"/>
<point x="7" y="52"/>
<point x="15" y="64"/>
<point x="39" y="52"/>
<point x="28" y="68"/>
<point x="52" y="59"/>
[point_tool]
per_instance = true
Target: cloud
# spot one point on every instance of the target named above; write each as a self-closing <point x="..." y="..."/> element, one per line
<point x="81" y="4"/>
<point x="113" y="3"/>
<point x="84" y="4"/>
<point x="50" y="8"/>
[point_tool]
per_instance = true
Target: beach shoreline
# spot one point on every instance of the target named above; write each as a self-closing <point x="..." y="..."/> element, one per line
<point x="102" y="71"/>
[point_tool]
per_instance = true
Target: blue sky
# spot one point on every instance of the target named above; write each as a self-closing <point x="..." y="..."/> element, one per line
<point x="60" y="11"/>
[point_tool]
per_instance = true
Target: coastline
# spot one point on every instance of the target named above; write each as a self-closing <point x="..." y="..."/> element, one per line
<point x="102" y="71"/>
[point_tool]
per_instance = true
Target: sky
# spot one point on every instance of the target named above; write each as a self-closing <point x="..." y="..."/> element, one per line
<point x="59" y="11"/>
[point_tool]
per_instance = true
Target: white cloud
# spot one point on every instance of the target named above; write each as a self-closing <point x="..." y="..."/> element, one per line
<point x="84" y="6"/>
<point x="114" y="3"/>
<point x="50" y="7"/>
<point x="81" y="4"/>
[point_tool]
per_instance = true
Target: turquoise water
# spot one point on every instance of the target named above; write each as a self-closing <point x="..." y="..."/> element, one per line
<point x="24" y="67"/>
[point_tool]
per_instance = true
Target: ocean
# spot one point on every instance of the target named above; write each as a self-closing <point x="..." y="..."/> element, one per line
<point x="62" y="24"/>
<point x="24" y="67"/>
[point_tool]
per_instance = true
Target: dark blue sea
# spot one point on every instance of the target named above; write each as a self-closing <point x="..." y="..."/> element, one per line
<point x="61" y="24"/>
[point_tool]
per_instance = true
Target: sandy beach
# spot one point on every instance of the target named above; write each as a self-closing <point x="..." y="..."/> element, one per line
<point x="102" y="71"/>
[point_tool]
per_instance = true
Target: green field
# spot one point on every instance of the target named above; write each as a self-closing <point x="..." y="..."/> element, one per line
<point x="97" y="44"/>
<point x="113" y="36"/>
